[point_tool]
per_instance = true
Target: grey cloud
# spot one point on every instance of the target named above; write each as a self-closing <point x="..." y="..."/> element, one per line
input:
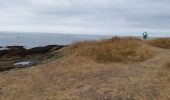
<point x="102" y="15"/>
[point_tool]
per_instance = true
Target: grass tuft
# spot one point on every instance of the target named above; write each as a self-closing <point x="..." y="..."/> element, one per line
<point x="168" y="65"/>
<point x="113" y="50"/>
<point x="161" y="43"/>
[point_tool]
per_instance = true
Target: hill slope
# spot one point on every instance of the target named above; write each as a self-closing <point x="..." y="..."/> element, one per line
<point x="79" y="78"/>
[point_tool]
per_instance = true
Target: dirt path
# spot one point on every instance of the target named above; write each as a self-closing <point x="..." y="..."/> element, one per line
<point x="82" y="79"/>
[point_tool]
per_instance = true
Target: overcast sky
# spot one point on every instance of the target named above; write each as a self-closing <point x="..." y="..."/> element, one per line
<point x="86" y="16"/>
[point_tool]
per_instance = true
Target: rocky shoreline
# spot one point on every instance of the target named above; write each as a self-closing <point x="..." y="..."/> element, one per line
<point x="13" y="57"/>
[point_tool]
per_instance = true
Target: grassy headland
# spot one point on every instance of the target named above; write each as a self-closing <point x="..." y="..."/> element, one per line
<point x="94" y="70"/>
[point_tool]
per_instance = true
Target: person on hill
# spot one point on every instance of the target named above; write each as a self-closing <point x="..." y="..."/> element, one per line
<point x="145" y="35"/>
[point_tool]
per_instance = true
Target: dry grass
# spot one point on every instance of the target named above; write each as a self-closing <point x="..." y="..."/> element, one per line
<point x="113" y="50"/>
<point x="164" y="75"/>
<point x="161" y="43"/>
<point x="168" y="65"/>
<point x="78" y="78"/>
<point x="83" y="79"/>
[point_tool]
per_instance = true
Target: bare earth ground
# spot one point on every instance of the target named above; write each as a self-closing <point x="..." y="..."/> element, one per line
<point x="77" y="78"/>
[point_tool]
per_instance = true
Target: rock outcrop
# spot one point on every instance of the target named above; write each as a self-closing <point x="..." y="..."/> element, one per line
<point x="21" y="51"/>
<point x="44" y="49"/>
<point x="12" y="56"/>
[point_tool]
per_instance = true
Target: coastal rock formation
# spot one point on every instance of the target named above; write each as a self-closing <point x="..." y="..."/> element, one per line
<point x="12" y="56"/>
<point x="44" y="49"/>
<point x="16" y="51"/>
<point x="21" y="51"/>
<point x="3" y="52"/>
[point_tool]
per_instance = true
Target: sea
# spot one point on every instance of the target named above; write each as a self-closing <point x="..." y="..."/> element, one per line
<point x="30" y="40"/>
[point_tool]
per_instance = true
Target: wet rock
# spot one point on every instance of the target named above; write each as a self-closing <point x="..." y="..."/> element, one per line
<point x="21" y="51"/>
<point x="5" y="69"/>
<point x="15" y="47"/>
<point x="3" y="52"/>
<point x="16" y="51"/>
<point x="14" y="57"/>
<point x="44" y="49"/>
<point x="25" y="63"/>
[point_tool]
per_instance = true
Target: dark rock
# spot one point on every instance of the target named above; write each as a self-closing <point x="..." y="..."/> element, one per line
<point x="3" y="48"/>
<point x="3" y="52"/>
<point x="44" y="49"/>
<point x="15" y="47"/>
<point x="6" y="69"/>
<point x="21" y="51"/>
<point x="16" y="51"/>
<point x="16" y="57"/>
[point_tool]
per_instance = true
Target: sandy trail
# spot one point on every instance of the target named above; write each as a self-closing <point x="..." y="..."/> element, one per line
<point x="82" y="79"/>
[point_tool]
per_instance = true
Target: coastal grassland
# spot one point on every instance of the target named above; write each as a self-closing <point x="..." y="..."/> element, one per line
<point x="74" y="77"/>
<point x="161" y="43"/>
<point x="113" y="50"/>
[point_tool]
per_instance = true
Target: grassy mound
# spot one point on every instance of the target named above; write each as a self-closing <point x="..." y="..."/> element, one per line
<point x="161" y="43"/>
<point x="113" y="50"/>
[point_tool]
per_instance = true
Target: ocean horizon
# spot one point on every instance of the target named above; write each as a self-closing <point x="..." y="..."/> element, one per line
<point x="30" y="40"/>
